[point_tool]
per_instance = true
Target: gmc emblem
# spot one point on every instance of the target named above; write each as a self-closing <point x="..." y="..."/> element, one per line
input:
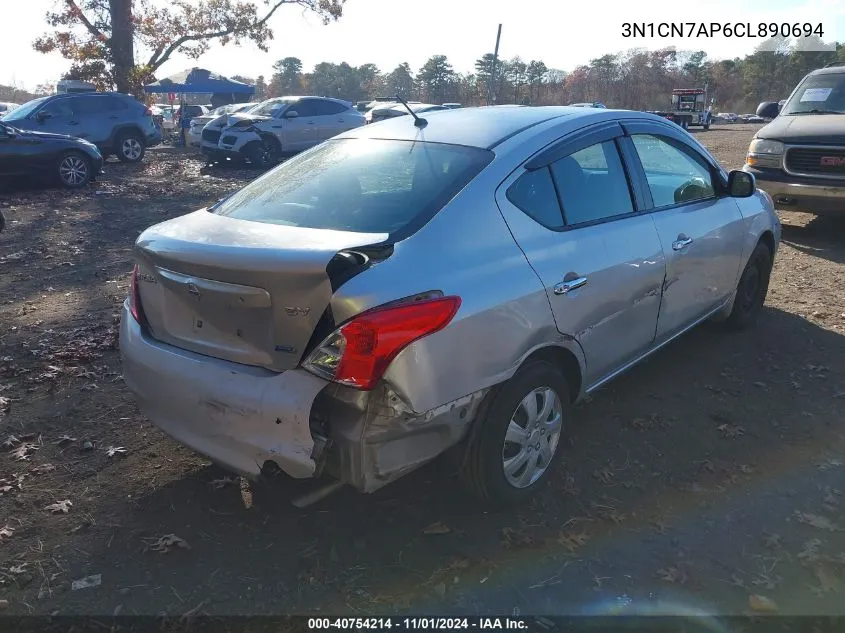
<point x="832" y="161"/>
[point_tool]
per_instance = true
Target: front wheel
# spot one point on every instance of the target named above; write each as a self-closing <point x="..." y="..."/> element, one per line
<point x="518" y="435"/>
<point x="752" y="289"/>
<point x="264" y="154"/>
<point x="74" y="170"/>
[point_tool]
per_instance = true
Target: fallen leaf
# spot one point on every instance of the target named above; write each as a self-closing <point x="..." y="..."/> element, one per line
<point x="437" y="528"/>
<point x="6" y="532"/>
<point x="817" y="521"/>
<point x="43" y="468"/>
<point x="673" y="575"/>
<point x="88" y="582"/>
<point x="64" y="439"/>
<point x="604" y="475"/>
<point x="810" y="553"/>
<point x="59" y="507"/>
<point x="17" y="570"/>
<point x="167" y="542"/>
<point x="23" y="452"/>
<point x="11" y="441"/>
<point x="827" y="581"/>
<point x="111" y="451"/>
<point x="730" y="430"/>
<point x="762" y="604"/>
<point x="573" y="540"/>
<point x="773" y="541"/>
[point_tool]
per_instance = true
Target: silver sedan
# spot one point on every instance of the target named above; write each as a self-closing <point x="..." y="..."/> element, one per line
<point x="458" y="281"/>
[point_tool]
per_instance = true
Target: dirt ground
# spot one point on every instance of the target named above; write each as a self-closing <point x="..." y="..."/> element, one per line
<point x="709" y="477"/>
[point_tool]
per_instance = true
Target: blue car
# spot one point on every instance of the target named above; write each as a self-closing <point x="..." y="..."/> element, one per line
<point x="116" y="123"/>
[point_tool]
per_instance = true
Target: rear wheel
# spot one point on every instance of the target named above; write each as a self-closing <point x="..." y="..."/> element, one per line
<point x="130" y="147"/>
<point x="752" y="289"/>
<point x="518" y="435"/>
<point x="74" y="170"/>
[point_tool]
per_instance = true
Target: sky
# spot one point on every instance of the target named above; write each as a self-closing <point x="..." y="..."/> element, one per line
<point x="389" y="32"/>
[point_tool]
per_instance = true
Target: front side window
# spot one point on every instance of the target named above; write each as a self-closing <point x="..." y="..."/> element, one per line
<point x="675" y="173"/>
<point x="60" y="109"/>
<point x="592" y="184"/>
<point x="306" y="108"/>
<point x="25" y="110"/>
<point x="359" y="185"/>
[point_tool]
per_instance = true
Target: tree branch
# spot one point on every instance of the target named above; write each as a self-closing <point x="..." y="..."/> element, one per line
<point x="158" y="59"/>
<point x="93" y="30"/>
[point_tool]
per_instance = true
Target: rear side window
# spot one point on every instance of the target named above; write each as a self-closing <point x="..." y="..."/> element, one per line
<point x="327" y="108"/>
<point x="592" y="184"/>
<point x="97" y="104"/>
<point x="359" y="185"/>
<point x="534" y="193"/>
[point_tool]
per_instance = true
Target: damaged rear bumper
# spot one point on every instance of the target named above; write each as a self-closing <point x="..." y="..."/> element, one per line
<point x="242" y="417"/>
<point x="238" y="416"/>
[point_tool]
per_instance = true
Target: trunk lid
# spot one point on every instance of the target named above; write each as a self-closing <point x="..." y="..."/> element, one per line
<point x="243" y="291"/>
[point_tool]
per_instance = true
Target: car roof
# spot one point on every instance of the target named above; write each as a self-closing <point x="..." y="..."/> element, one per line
<point x="832" y="70"/>
<point x="483" y="127"/>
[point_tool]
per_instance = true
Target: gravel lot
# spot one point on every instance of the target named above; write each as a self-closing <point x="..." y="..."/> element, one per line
<point x="710" y="476"/>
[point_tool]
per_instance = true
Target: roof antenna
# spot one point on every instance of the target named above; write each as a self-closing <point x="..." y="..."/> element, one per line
<point x="418" y="121"/>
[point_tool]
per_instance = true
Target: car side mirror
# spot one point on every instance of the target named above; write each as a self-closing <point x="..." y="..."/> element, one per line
<point x="741" y="184"/>
<point x="42" y="116"/>
<point x="291" y="114"/>
<point x="768" y="109"/>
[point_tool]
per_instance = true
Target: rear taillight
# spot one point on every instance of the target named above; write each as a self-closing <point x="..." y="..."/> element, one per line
<point x="359" y="352"/>
<point x="135" y="297"/>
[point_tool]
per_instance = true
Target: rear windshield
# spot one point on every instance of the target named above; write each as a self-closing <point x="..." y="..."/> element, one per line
<point x="823" y="93"/>
<point x="359" y="185"/>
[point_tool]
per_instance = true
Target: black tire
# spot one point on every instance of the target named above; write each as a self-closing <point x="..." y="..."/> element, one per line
<point x="265" y="153"/>
<point x="130" y="147"/>
<point x="752" y="289"/>
<point x="74" y="170"/>
<point x="483" y="470"/>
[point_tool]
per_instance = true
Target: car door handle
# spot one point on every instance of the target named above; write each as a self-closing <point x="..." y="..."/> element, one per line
<point x="682" y="242"/>
<point x="569" y="285"/>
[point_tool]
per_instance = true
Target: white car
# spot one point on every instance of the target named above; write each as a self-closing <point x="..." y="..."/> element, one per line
<point x="388" y="110"/>
<point x="284" y="125"/>
<point x="6" y="107"/>
<point x="194" y="136"/>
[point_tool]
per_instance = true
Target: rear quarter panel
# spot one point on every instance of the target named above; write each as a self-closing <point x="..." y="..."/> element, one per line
<point x="465" y="250"/>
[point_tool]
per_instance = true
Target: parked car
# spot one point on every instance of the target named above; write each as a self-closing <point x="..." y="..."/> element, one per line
<point x="452" y="106"/>
<point x="116" y="123"/>
<point x="68" y="161"/>
<point x="343" y="316"/>
<point x="278" y="126"/>
<point x="194" y="135"/>
<point x="392" y="110"/>
<point x="6" y="106"/>
<point x="799" y="157"/>
<point x="593" y="104"/>
<point x="727" y="117"/>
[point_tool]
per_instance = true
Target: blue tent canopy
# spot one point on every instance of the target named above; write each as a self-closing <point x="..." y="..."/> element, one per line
<point x="199" y="80"/>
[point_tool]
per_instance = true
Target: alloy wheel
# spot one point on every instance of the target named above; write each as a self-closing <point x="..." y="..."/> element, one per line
<point x="73" y="171"/>
<point x="131" y="148"/>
